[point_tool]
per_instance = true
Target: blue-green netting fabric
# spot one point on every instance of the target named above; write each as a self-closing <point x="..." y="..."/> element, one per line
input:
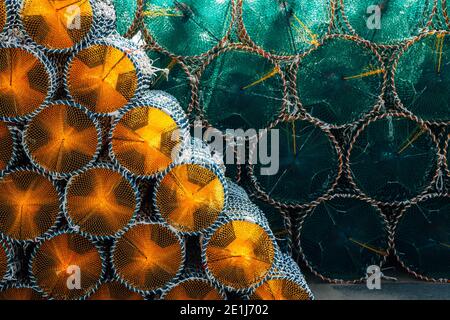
<point x="308" y="164"/>
<point x="423" y="238"/>
<point x="393" y="159"/>
<point x="286" y="27"/>
<point x="398" y="19"/>
<point x="422" y="78"/>
<point x="125" y="14"/>
<point x="342" y="237"/>
<point x="189" y="27"/>
<point x="241" y="89"/>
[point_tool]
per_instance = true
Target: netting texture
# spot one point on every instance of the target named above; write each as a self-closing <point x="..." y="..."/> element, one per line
<point x="6" y="146"/>
<point x="114" y="290"/>
<point x="19" y="293"/>
<point x="53" y="261"/>
<point x="29" y="205"/>
<point x="62" y="139"/>
<point x="194" y="288"/>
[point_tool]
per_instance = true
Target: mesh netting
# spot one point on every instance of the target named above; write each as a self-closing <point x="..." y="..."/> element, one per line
<point x="101" y="201"/>
<point x="125" y="14"/>
<point x="19" y="293"/>
<point x="340" y="90"/>
<point x="307" y="154"/>
<point x="193" y="289"/>
<point x="24" y="83"/>
<point x="6" y="146"/>
<point x="341" y="237"/>
<point x="57" y="24"/>
<point x="239" y="254"/>
<point x="144" y="140"/>
<point x="422" y="238"/>
<point x="421" y="79"/>
<point x="148" y="256"/>
<point x="102" y="78"/>
<point x="392" y="159"/>
<point x="235" y="85"/>
<point x="62" y="139"/>
<point x="114" y="291"/>
<point x="202" y="24"/>
<point x="3" y="261"/>
<point x="190" y="197"/>
<point x="56" y="260"/>
<point x="398" y="19"/>
<point x="286" y="27"/>
<point x="29" y="205"/>
<point x="2" y="15"/>
<point x="176" y="82"/>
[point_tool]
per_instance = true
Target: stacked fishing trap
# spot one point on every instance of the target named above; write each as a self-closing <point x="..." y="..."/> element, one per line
<point x="358" y="91"/>
<point x="104" y="194"/>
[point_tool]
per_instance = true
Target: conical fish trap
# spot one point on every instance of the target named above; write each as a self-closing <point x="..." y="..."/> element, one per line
<point x="58" y="261"/>
<point x="235" y="84"/>
<point x="114" y="290"/>
<point x="193" y="288"/>
<point x="345" y="80"/>
<point x="422" y="238"/>
<point x="239" y="254"/>
<point x="148" y="256"/>
<point x="387" y="22"/>
<point x="201" y="24"/>
<point x="342" y="237"/>
<point x="421" y="77"/>
<point x="191" y="196"/>
<point x="393" y="158"/>
<point x="148" y="137"/>
<point x="62" y="139"/>
<point x="286" y="282"/>
<point x="286" y="27"/>
<point x="27" y="80"/>
<point x="101" y="201"/>
<point x="307" y="153"/>
<point x="6" y="146"/>
<point x="19" y="292"/>
<point x="105" y="76"/>
<point x="29" y="204"/>
<point x="126" y="15"/>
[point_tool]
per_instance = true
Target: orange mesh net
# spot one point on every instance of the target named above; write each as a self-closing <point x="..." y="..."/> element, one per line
<point x="57" y="24"/>
<point x="19" y="294"/>
<point x="144" y="139"/>
<point x="62" y="139"/>
<point x="24" y="82"/>
<point x="3" y="262"/>
<point x="190" y="197"/>
<point x="193" y="289"/>
<point x="102" y="78"/>
<point x="280" y="289"/>
<point x="240" y="254"/>
<point x="2" y="15"/>
<point x="114" y="291"/>
<point x="56" y="262"/>
<point x="100" y="201"/>
<point x="148" y="256"/>
<point x="6" y="146"/>
<point x="29" y="205"/>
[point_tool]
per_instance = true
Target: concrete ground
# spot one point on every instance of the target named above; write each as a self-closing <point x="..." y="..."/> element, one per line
<point x="405" y="288"/>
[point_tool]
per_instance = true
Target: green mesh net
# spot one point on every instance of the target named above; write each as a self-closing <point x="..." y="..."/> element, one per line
<point x="397" y="19"/>
<point x="307" y="155"/>
<point x="423" y="238"/>
<point x="286" y="27"/>
<point x="342" y="237"/>
<point x="125" y="14"/>
<point x="422" y="79"/>
<point x="175" y="82"/>
<point x="341" y="81"/>
<point x="190" y="27"/>
<point x="392" y="159"/>
<point x="238" y="85"/>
